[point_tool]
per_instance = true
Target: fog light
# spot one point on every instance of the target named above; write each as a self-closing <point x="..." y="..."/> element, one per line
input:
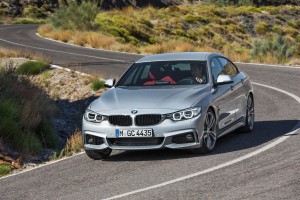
<point x="91" y="139"/>
<point x="189" y="137"/>
<point x="183" y="138"/>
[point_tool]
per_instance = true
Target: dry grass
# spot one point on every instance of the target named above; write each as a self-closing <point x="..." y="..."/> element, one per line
<point x="74" y="145"/>
<point x="5" y="19"/>
<point x="7" y="53"/>
<point x="93" y="39"/>
<point x="188" y="27"/>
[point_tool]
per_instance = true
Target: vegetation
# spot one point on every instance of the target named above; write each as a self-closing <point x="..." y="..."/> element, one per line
<point x="188" y="27"/>
<point x="97" y="84"/>
<point x="75" y="17"/>
<point x="4" y="169"/>
<point x="29" y="21"/>
<point x="74" y="145"/>
<point x="32" y="67"/>
<point x="277" y="48"/>
<point x="25" y="115"/>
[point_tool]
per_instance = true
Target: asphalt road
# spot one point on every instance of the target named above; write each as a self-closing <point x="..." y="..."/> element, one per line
<point x="271" y="174"/>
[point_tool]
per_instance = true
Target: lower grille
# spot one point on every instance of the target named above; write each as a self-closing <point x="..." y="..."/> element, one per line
<point x="135" y="141"/>
<point x="147" y="120"/>
<point x="120" y="120"/>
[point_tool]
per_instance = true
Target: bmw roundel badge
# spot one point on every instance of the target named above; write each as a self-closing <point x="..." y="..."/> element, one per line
<point x="134" y="111"/>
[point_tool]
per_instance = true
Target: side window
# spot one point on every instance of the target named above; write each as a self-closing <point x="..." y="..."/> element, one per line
<point x="145" y="73"/>
<point x="228" y="67"/>
<point x="216" y="69"/>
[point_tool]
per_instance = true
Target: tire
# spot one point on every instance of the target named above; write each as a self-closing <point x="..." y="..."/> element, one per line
<point x="209" y="137"/>
<point x="250" y="116"/>
<point x="98" y="155"/>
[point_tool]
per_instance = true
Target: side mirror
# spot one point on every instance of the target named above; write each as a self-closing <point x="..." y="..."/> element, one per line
<point x="224" y="79"/>
<point x="110" y="82"/>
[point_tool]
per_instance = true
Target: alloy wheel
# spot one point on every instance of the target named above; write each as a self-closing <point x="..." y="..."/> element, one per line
<point x="209" y="135"/>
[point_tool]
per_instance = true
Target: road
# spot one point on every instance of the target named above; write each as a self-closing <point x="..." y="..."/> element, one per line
<point x="264" y="164"/>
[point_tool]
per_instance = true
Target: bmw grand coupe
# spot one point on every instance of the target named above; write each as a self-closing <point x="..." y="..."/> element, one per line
<point x="175" y="100"/>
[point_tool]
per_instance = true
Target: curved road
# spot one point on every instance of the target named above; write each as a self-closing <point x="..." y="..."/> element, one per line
<point x="271" y="173"/>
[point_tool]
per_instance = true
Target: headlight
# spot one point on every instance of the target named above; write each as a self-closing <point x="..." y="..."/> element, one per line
<point x="93" y="117"/>
<point x="185" y="114"/>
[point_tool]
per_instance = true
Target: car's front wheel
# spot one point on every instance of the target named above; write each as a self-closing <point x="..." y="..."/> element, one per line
<point x="98" y="155"/>
<point x="209" y="137"/>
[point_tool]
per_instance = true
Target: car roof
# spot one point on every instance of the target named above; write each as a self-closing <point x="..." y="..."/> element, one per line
<point x="178" y="56"/>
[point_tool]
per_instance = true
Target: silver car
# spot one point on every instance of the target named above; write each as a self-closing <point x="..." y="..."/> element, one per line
<point x="175" y="100"/>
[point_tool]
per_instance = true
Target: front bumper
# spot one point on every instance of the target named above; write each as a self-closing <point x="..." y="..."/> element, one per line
<point x="163" y="132"/>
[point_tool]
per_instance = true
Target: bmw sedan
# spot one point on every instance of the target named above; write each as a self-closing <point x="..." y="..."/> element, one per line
<point x="175" y="100"/>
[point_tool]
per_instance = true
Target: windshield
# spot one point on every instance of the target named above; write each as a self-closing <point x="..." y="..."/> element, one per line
<point x="165" y="73"/>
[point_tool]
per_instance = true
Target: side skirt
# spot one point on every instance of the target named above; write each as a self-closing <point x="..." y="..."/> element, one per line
<point x="237" y="124"/>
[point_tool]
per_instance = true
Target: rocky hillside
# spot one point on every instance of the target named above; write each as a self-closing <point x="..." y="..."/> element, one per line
<point x="16" y="8"/>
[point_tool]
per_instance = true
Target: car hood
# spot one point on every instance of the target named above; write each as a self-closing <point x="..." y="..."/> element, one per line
<point x="150" y="99"/>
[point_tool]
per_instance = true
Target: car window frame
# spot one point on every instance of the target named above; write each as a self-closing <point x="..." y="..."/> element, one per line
<point x="211" y="60"/>
<point x="237" y="69"/>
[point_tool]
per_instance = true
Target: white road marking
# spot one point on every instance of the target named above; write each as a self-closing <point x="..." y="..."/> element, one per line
<point x="40" y="166"/>
<point x="74" y="45"/>
<point x="226" y="164"/>
<point x="57" y="51"/>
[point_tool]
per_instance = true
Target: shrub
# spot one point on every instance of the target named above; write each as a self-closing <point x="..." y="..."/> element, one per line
<point x="29" y="21"/>
<point x="4" y="169"/>
<point x="97" y="84"/>
<point x="25" y="115"/>
<point x="292" y="24"/>
<point x="276" y="47"/>
<point x="31" y="144"/>
<point x="32" y="67"/>
<point x="261" y="28"/>
<point x="34" y="12"/>
<point x="74" y="145"/>
<point x="75" y="17"/>
<point x="231" y="3"/>
<point x="277" y="29"/>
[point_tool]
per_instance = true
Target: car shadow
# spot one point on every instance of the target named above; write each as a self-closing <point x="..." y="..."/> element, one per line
<point x="264" y="132"/>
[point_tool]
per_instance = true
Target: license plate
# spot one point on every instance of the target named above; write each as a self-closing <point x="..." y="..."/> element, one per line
<point x="134" y="133"/>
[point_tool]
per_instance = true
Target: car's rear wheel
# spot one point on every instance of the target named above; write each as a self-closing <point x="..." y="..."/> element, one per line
<point x="248" y="127"/>
<point x="98" y="155"/>
<point x="209" y="137"/>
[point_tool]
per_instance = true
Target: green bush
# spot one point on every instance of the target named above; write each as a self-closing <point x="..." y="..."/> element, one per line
<point x="277" y="47"/>
<point x="75" y="17"/>
<point x="31" y="144"/>
<point x="97" y="84"/>
<point x="25" y="116"/>
<point x="277" y="29"/>
<point x="34" y="12"/>
<point x="261" y="28"/>
<point x="4" y="169"/>
<point x="231" y="3"/>
<point x="32" y="68"/>
<point x="46" y="136"/>
<point x="29" y="21"/>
